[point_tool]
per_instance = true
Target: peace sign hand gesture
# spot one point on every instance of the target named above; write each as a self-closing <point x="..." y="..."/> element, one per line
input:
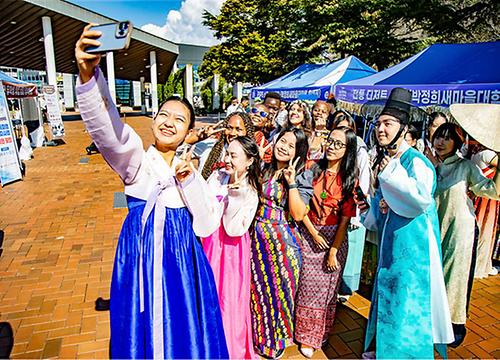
<point x="290" y="172"/>
<point x="262" y="148"/>
<point x="235" y="185"/>
<point x="184" y="169"/>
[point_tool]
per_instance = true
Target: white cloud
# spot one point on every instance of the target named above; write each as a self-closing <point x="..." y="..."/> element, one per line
<point x="185" y="25"/>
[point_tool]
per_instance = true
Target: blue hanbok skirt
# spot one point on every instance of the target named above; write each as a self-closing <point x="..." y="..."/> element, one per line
<point x="192" y="323"/>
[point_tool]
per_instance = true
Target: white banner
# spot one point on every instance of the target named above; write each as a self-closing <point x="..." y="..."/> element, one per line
<point x="10" y="167"/>
<point x="53" y="111"/>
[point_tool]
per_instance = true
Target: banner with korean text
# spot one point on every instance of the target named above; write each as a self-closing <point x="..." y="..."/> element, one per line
<point x="53" y="111"/>
<point x="423" y="95"/>
<point x="10" y="166"/>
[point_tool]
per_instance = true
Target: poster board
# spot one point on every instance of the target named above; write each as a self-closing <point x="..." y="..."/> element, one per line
<point x="53" y="111"/>
<point x="10" y="166"/>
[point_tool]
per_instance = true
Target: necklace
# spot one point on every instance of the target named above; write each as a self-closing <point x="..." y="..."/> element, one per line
<point x="324" y="194"/>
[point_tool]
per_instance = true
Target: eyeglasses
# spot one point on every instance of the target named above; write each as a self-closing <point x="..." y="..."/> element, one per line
<point x="337" y="144"/>
<point x="261" y="113"/>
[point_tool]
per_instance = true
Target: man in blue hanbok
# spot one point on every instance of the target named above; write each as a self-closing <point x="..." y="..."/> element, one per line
<point x="409" y="310"/>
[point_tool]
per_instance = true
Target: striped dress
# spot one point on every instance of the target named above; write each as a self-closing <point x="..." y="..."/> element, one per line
<point x="275" y="266"/>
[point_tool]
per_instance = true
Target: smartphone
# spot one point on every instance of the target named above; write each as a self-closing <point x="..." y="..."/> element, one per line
<point x="115" y="36"/>
<point x="361" y="195"/>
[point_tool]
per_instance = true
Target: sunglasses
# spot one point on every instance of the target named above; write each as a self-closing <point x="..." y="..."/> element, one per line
<point x="261" y="113"/>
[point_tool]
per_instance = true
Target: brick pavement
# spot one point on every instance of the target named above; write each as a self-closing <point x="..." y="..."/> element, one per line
<point x="60" y="235"/>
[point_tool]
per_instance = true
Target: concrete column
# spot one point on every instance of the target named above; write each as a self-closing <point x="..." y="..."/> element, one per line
<point x="50" y="58"/>
<point x="143" y="99"/>
<point x="136" y="87"/>
<point x="238" y="90"/>
<point x="215" y="90"/>
<point x="68" y="91"/>
<point x="154" y="82"/>
<point x="110" y="67"/>
<point x="175" y="67"/>
<point x="188" y="83"/>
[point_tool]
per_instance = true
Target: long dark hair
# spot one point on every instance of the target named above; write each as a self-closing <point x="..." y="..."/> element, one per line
<point x="187" y="104"/>
<point x="306" y="123"/>
<point x="433" y="116"/>
<point x="301" y="150"/>
<point x="252" y="152"/>
<point x="216" y="151"/>
<point x="339" y="116"/>
<point x="348" y="170"/>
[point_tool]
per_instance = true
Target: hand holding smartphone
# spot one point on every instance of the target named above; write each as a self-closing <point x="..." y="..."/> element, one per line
<point x="361" y="198"/>
<point x="114" y="37"/>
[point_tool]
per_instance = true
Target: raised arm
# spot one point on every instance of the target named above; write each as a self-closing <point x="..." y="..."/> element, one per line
<point x="202" y="203"/>
<point x="118" y="143"/>
<point x="480" y="185"/>
<point x="405" y="195"/>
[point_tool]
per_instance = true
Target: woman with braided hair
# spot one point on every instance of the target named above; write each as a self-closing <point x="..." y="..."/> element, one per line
<point x="236" y="124"/>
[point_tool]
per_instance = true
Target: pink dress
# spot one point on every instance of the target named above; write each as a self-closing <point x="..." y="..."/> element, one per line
<point x="228" y="251"/>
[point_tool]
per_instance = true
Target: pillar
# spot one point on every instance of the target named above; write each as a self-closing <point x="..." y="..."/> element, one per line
<point x="143" y="97"/>
<point x="188" y="82"/>
<point x="154" y="82"/>
<point x="50" y="58"/>
<point x="136" y="87"/>
<point x="238" y="90"/>
<point x="68" y="91"/>
<point x="110" y="67"/>
<point x="215" y="91"/>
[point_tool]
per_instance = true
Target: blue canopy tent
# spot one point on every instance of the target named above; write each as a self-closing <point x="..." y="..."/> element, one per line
<point x="314" y="81"/>
<point x="440" y="75"/>
<point x="15" y="88"/>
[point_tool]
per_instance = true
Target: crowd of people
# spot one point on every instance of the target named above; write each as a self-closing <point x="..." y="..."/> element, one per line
<point x="240" y="234"/>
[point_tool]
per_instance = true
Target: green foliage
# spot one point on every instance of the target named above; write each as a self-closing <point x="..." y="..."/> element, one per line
<point x="262" y="40"/>
<point x="173" y="85"/>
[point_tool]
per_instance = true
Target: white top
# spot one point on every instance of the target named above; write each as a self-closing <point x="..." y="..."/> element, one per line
<point x="237" y="207"/>
<point x="141" y="171"/>
<point x="483" y="158"/>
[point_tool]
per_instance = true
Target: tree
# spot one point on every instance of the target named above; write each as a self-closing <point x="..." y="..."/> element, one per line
<point x="173" y="85"/>
<point x="262" y="40"/>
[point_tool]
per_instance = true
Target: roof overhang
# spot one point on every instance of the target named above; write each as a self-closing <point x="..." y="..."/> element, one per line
<point x="22" y="46"/>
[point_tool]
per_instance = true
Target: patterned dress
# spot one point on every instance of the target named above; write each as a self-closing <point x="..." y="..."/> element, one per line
<point x="318" y="287"/>
<point x="275" y="266"/>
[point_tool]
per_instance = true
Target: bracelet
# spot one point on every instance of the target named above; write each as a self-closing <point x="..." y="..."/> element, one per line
<point x="293" y="186"/>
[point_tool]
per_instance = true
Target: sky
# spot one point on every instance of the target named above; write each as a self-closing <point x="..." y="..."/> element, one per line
<point x="175" y="20"/>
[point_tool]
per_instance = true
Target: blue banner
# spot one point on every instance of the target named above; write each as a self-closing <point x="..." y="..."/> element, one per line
<point x="313" y="93"/>
<point x="10" y="169"/>
<point x="424" y="95"/>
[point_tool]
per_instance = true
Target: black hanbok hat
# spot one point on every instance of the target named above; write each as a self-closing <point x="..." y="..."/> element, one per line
<point x="398" y="105"/>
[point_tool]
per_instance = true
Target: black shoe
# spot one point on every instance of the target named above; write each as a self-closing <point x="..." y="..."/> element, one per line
<point x="459" y="331"/>
<point x="6" y="340"/>
<point x="279" y="354"/>
<point x="102" y="304"/>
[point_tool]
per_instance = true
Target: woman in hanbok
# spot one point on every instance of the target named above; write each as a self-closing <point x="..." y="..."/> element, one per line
<point x="164" y="301"/>
<point x="457" y="176"/>
<point x="276" y="242"/>
<point x="228" y="249"/>
<point x="425" y="145"/>
<point x="325" y="247"/>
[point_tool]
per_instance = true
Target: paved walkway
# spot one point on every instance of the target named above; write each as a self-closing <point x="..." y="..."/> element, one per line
<point x="60" y="234"/>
